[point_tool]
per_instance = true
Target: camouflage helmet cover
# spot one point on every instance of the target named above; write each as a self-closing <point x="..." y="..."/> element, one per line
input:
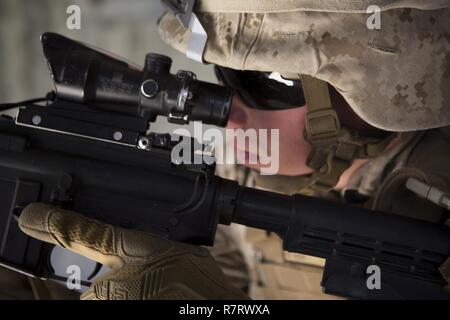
<point x="396" y="77"/>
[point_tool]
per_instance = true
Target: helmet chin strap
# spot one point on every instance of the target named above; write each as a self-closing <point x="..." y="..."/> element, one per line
<point x="333" y="147"/>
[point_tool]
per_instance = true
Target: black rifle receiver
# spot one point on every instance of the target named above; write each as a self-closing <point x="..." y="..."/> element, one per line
<point x="92" y="158"/>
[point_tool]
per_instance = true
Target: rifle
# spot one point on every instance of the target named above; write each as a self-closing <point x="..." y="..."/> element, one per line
<point x="88" y="149"/>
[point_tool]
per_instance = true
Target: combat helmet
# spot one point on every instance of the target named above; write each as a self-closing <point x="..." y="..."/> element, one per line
<point x="395" y="77"/>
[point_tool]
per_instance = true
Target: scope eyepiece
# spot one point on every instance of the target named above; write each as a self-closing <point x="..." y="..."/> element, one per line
<point x="87" y="75"/>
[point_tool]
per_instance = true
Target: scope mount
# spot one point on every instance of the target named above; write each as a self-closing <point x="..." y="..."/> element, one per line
<point x="79" y="120"/>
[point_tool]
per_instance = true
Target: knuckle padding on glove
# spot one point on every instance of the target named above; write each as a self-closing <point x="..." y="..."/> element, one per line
<point x="199" y="278"/>
<point x="143" y="266"/>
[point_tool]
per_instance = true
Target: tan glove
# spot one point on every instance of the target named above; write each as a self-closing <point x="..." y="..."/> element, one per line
<point x="143" y="266"/>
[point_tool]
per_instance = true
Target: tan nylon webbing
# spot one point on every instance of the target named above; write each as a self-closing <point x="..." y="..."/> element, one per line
<point x="322" y="132"/>
<point x="316" y="93"/>
<point x="333" y="148"/>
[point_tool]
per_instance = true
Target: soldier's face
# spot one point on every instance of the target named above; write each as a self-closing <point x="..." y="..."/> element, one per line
<point x="293" y="148"/>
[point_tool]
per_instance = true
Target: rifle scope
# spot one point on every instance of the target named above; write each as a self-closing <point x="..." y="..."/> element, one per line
<point x="87" y="75"/>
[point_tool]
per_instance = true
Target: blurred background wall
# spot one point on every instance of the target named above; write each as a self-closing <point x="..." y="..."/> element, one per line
<point x="126" y="28"/>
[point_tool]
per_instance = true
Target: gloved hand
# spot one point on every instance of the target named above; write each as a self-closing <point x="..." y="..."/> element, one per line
<point x="143" y="266"/>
